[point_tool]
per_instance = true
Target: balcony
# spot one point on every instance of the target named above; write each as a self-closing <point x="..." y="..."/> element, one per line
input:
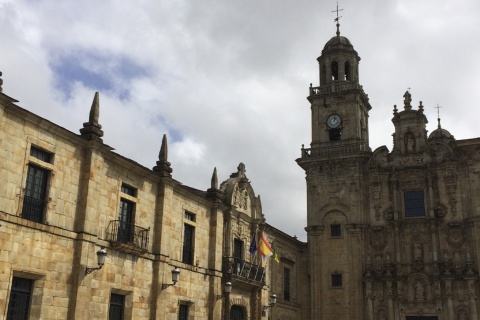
<point x="334" y="87"/>
<point x="127" y="237"/>
<point x="240" y="270"/>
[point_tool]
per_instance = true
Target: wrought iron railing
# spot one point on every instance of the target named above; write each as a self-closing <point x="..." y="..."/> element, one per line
<point x="127" y="237"/>
<point x="33" y="209"/>
<point x="243" y="270"/>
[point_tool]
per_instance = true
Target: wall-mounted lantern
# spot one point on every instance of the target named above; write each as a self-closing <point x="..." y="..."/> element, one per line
<point x="175" y="276"/>
<point x="101" y="255"/>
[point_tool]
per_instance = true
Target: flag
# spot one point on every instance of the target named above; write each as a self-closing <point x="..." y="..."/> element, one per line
<point x="253" y="246"/>
<point x="275" y="255"/>
<point x="264" y="247"/>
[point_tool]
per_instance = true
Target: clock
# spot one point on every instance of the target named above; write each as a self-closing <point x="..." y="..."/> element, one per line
<point x="334" y="121"/>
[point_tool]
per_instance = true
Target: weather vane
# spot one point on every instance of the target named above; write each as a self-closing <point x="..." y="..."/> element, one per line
<point x="337" y="19"/>
<point x="438" y="110"/>
<point x="438" y="114"/>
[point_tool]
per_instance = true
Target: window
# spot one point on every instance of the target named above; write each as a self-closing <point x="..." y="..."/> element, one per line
<point x="347" y="71"/>
<point x="286" y="284"/>
<point x="36" y="187"/>
<point x="335" y="230"/>
<point x="334" y="70"/>
<point x="183" y="312"/>
<point x="414" y="203"/>
<point x="189" y="216"/>
<point x="336" y="280"/>
<point x="126" y="215"/>
<point x="335" y="134"/>
<point x="117" y="305"/>
<point x="188" y="243"/>
<point x="20" y="297"/>
<point x="238" y="246"/>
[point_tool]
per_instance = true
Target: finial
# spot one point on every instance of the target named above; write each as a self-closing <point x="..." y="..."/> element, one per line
<point x="438" y="115"/>
<point x="214" y="193"/>
<point x="214" y="183"/>
<point x="407" y="100"/>
<point x="1" y="82"/>
<point x="163" y="166"/>
<point x="92" y="130"/>
<point x="337" y="19"/>
<point x="395" y="110"/>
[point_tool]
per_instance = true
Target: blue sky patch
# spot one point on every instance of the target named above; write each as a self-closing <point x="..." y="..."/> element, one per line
<point x="99" y="72"/>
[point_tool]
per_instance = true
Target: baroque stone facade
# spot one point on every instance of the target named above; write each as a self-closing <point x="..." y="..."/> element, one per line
<point x="64" y="197"/>
<point x="391" y="234"/>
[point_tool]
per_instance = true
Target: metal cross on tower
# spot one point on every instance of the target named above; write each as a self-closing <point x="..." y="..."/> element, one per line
<point x="337" y="19"/>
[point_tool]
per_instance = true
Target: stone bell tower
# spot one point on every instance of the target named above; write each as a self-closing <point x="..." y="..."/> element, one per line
<point x="337" y="196"/>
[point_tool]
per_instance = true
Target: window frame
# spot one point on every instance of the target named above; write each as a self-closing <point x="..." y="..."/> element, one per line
<point x="113" y="306"/>
<point x="286" y="284"/>
<point x="183" y="311"/>
<point x="411" y="203"/>
<point x="15" y="293"/>
<point x="188" y="241"/>
<point x="335" y="230"/>
<point x="336" y="281"/>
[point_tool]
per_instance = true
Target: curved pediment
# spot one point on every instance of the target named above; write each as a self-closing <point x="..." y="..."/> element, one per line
<point x="240" y="195"/>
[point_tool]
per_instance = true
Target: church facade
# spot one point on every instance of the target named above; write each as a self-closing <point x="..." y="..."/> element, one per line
<point x="392" y="234"/>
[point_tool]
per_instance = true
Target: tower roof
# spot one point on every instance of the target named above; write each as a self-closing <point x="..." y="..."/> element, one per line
<point x="338" y="42"/>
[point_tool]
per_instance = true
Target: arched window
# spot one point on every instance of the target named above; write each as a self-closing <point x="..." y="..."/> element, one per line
<point x="236" y="313"/>
<point x="348" y="73"/>
<point x="334" y="70"/>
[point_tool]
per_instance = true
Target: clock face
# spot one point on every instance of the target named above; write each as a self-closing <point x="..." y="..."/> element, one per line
<point x="334" y="121"/>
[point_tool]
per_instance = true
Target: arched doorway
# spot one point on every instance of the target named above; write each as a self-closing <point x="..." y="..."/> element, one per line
<point x="237" y="313"/>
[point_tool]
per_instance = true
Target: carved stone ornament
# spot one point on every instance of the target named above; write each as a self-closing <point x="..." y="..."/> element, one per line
<point x="240" y="198"/>
<point x="388" y="213"/>
<point x="378" y="238"/>
<point x="455" y="234"/>
<point x="440" y="210"/>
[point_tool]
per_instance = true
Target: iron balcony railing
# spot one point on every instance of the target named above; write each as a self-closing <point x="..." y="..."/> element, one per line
<point x="127" y="237"/>
<point x="33" y="209"/>
<point x="243" y="270"/>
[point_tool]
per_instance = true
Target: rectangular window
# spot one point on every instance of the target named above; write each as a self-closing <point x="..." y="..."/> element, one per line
<point x="183" y="312"/>
<point x="125" y="223"/>
<point x="286" y="284"/>
<point x="336" y="280"/>
<point x="414" y="203"/>
<point x="35" y="193"/>
<point x="20" y="296"/>
<point x="126" y="215"/>
<point x="128" y="190"/>
<point x="238" y="246"/>
<point x="189" y="216"/>
<point x="188" y="243"/>
<point x="40" y="154"/>
<point x="335" y="230"/>
<point x="117" y="305"/>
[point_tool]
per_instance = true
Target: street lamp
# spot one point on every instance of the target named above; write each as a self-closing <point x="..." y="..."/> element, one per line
<point x="101" y="255"/>
<point x="273" y="300"/>
<point x="175" y="275"/>
<point x="227" y="289"/>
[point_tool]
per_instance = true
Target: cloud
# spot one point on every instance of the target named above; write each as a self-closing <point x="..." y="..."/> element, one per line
<point x="227" y="81"/>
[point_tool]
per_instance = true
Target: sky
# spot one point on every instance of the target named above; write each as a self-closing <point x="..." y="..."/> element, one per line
<point x="227" y="81"/>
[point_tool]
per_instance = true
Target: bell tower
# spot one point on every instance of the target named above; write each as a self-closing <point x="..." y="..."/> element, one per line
<point x="339" y="105"/>
<point x="337" y="195"/>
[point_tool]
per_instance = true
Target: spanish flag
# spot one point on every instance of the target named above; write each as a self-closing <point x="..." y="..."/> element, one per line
<point x="264" y="247"/>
